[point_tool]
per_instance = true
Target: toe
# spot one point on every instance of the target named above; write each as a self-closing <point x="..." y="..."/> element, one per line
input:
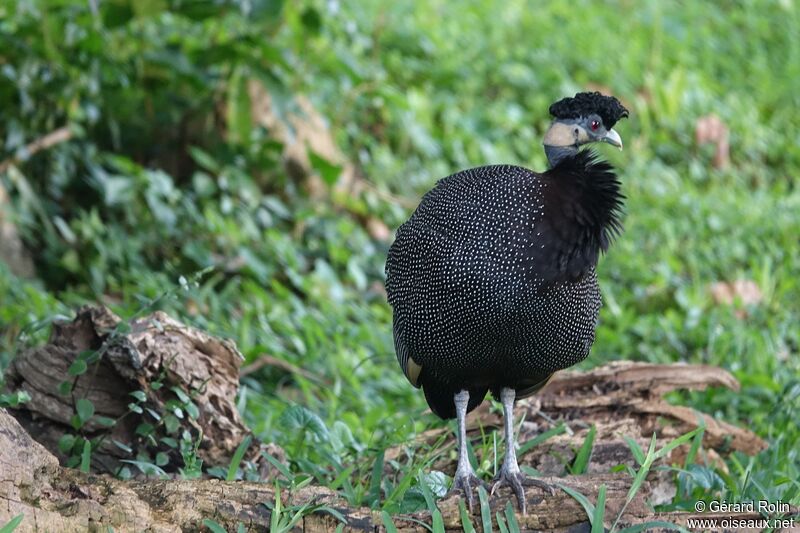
<point x="521" y="499"/>
<point x="465" y="484"/>
<point x="533" y="482"/>
<point x="470" y="501"/>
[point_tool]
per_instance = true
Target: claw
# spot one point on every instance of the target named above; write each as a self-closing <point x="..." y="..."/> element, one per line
<point x="517" y="480"/>
<point x="464" y="483"/>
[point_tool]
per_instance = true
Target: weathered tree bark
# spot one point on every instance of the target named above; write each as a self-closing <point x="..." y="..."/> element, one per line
<point x="620" y="400"/>
<point x="171" y="364"/>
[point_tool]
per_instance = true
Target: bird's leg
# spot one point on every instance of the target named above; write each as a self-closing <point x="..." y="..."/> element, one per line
<point x="465" y="477"/>
<point x="510" y="473"/>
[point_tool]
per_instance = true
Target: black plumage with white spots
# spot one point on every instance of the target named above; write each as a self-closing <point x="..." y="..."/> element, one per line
<point x="492" y="280"/>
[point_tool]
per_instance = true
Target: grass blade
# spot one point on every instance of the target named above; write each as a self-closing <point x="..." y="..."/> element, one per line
<point x="466" y="521"/>
<point x="511" y="518"/>
<point x="427" y="494"/>
<point x="343" y="476"/>
<point x="388" y="523"/>
<point x="280" y="467"/>
<point x="584" y="454"/>
<point x="486" y="512"/>
<point x="501" y="523"/>
<point x="374" y="497"/>
<point x="643" y="470"/>
<point x="331" y="511"/>
<point x="237" y="458"/>
<point x="638" y="480"/>
<point x="12" y="524"/>
<point x="674" y="443"/>
<point x="697" y="441"/>
<point x="437" y="522"/>
<point x="275" y="512"/>
<point x="636" y="450"/>
<point x="599" y="510"/>
<point x="581" y="499"/>
<point x="540" y="438"/>
<point x="86" y="457"/>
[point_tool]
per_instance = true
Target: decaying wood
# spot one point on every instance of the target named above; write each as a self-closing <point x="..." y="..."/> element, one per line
<point x="620" y="400"/>
<point x="152" y="350"/>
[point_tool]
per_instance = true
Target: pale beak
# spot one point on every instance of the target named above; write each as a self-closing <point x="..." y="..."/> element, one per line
<point x="613" y="138"/>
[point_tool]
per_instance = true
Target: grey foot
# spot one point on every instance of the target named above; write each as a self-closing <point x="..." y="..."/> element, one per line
<point x="465" y="483"/>
<point x="518" y="480"/>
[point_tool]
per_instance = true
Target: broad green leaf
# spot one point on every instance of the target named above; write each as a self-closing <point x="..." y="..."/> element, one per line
<point x="77" y="367"/>
<point x="84" y="409"/>
<point x="329" y="171"/>
<point x="139" y="395"/>
<point x="297" y="418"/>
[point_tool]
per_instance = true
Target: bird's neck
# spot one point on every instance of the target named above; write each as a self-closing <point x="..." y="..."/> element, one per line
<point x="560" y="141"/>
<point x="556" y="153"/>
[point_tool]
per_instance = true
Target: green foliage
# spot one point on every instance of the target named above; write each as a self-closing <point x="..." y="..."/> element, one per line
<point x="596" y="511"/>
<point x="284" y="518"/>
<point x="12" y="524"/>
<point x="486" y="511"/>
<point x="581" y="462"/>
<point x="167" y="173"/>
<point x="14" y="399"/>
<point x="237" y="458"/>
<point x="213" y="526"/>
<point x="466" y="521"/>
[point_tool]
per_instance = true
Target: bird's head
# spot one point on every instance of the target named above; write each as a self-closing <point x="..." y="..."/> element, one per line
<point x="582" y="119"/>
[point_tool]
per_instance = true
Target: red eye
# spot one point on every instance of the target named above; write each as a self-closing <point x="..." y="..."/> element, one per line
<point x="595" y="125"/>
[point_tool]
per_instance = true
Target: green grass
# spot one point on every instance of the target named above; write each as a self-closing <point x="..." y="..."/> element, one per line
<point x="413" y="94"/>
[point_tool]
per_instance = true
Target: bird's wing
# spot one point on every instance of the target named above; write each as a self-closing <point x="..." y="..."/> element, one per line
<point x="413" y="247"/>
<point x="449" y="232"/>
<point x="411" y="369"/>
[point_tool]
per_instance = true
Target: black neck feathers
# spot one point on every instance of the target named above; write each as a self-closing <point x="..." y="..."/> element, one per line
<point x="584" y="203"/>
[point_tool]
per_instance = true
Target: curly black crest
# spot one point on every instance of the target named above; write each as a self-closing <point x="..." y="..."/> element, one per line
<point x="583" y="104"/>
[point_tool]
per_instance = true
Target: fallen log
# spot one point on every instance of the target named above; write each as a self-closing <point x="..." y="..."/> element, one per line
<point x="53" y="498"/>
